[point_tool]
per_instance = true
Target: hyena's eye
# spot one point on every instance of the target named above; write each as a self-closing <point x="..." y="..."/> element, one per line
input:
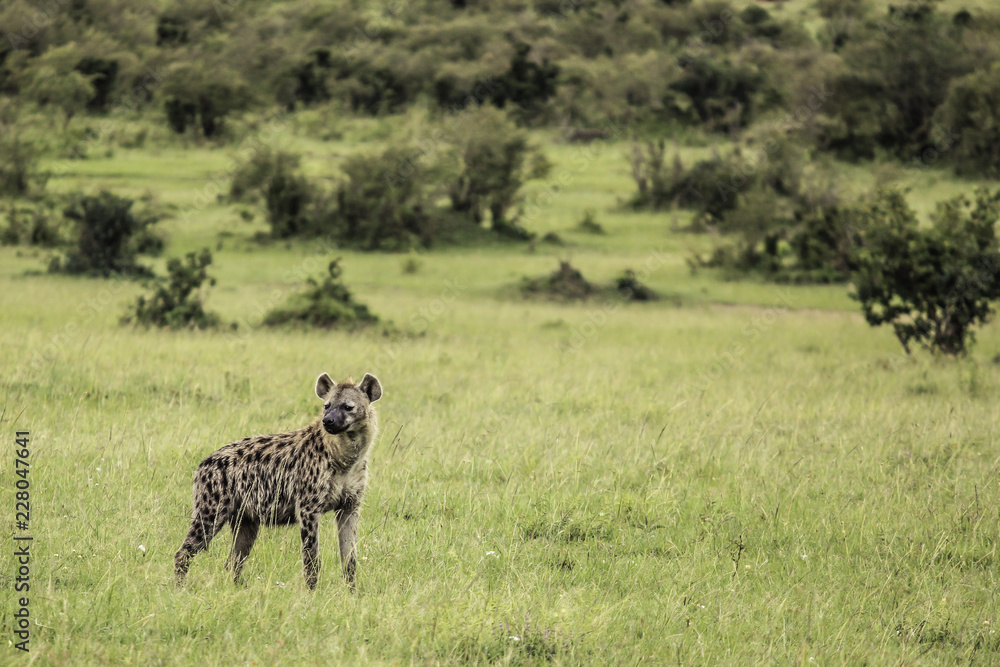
<point x="326" y="406"/>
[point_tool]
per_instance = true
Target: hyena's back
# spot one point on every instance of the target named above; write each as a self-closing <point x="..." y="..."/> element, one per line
<point x="251" y="479"/>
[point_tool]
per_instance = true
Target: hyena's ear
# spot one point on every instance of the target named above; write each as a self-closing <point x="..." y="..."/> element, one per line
<point x="323" y="385"/>
<point x="371" y="387"/>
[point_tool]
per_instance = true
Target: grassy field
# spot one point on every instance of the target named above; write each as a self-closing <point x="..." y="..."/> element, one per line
<point x="740" y="473"/>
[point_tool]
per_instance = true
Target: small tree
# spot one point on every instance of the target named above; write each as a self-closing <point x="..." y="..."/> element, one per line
<point x="177" y="300"/>
<point x="69" y="91"/>
<point x="932" y="285"/>
<point x="107" y="232"/>
<point x="202" y="94"/>
<point x="19" y="171"/>
<point x="491" y="154"/>
<point x="381" y="202"/>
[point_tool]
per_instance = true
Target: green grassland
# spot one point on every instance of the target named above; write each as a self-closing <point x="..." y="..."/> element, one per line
<point x="739" y="473"/>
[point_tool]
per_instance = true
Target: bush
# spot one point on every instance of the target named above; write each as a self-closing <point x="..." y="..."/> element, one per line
<point x="254" y="175"/>
<point x="288" y="196"/>
<point x="823" y="244"/>
<point x="829" y="9"/>
<point x="711" y="186"/>
<point x="806" y="236"/>
<point x="102" y="74"/>
<point x="33" y="224"/>
<point x="629" y="287"/>
<point x="106" y="232"/>
<point x="526" y="84"/>
<point x="564" y="284"/>
<point x="722" y="94"/>
<point x="177" y="300"/>
<point x="932" y="285"/>
<point x="380" y="204"/>
<point x="589" y="224"/>
<point x="325" y="305"/>
<point x="310" y="77"/>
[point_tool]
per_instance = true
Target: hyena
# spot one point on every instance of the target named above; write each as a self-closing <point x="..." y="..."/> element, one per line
<point x="290" y="478"/>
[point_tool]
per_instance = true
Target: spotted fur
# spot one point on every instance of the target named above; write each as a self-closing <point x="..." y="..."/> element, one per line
<point x="290" y="478"/>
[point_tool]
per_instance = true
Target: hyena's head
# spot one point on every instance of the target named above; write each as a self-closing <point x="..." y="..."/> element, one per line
<point x="347" y="406"/>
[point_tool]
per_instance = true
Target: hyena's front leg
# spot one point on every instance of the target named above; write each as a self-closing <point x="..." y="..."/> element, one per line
<point x="309" y="529"/>
<point x="347" y="524"/>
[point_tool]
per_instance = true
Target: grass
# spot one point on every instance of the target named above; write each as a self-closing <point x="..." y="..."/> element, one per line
<point x="739" y="473"/>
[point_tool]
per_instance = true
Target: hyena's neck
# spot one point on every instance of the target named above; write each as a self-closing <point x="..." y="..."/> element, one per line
<point x="345" y="448"/>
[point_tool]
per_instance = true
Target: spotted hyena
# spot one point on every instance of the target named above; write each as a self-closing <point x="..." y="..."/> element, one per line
<point x="290" y="478"/>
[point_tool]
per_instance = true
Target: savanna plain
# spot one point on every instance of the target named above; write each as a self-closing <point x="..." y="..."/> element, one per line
<point x="740" y="472"/>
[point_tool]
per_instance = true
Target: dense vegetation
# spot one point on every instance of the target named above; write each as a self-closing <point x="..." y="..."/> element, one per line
<point x="903" y="80"/>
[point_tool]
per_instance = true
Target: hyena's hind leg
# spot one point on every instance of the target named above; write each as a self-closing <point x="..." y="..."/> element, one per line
<point x="208" y="516"/>
<point x="244" y="535"/>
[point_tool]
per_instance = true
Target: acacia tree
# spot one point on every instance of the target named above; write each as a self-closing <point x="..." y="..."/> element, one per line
<point x="933" y="285"/>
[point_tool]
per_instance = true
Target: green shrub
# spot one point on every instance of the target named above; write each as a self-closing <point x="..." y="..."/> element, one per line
<point x="381" y="203"/>
<point x="105" y="238"/>
<point x="176" y="301"/>
<point x="631" y="289"/>
<point x="324" y="305"/>
<point x="288" y="196"/>
<point x="589" y="224"/>
<point x="804" y="236"/>
<point x="253" y="176"/>
<point x="310" y="77"/>
<point x="723" y="94"/>
<point x="932" y="285"/>
<point x="564" y="284"/>
<point x="829" y="9"/>
<point x="711" y="186"/>
<point x="102" y="74"/>
<point x="32" y="223"/>
<point x="526" y="84"/>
